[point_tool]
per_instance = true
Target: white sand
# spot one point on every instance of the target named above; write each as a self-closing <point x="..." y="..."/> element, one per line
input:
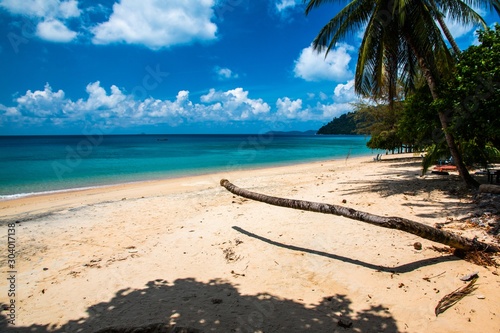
<point x="186" y="251"/>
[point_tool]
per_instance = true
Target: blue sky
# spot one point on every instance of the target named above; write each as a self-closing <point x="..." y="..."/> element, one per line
<point x="164" y="66"/>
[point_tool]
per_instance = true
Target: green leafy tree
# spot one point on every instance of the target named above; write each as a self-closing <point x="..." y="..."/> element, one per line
<point x="474" y="97"/>
<point x="345" y="124"/>
<point x="418" y="123"/>
<point x="401" y="42"/>
<point x="380" y="121"/>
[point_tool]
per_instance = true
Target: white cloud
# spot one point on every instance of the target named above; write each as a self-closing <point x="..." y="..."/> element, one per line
<point x="313" y="66"/>
<point x="41" y="103"/>
<point x="290" y="109"/>
<point x="323" y="96"/>
<point x="114" y="108"/>
<point x="157" y="23"/>
<point x="330" y="111"/>
<point x="50" y="16"/>
<point x="343" y="96"/>
<point x="282" y="5"/>
<point x="225" y="73"/>
<point x="457" y="29"/>
<point x="236" y="104"/>
<point x="42" y="8"/>
<point x="69" y="9"/>
<point x="54" y="31"/>
<point x="345" y="92"/>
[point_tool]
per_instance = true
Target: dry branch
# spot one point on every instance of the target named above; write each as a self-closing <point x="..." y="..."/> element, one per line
<point x="452" y="298"/>
<point x="412" y="227"/>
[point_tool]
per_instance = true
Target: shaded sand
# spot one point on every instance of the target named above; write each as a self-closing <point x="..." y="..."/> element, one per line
<point x="186" y="251"/>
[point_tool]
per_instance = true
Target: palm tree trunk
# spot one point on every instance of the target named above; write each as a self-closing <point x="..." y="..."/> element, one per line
<point x="412" y="227"/>
<point x="446" y="31"/>
<point x="444" y="119"/>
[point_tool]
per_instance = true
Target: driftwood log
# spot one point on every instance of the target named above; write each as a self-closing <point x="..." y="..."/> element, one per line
<point x="412" y="227"/>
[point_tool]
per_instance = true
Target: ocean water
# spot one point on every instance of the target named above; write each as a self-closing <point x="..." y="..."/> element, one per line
<point x="33" y="164"/>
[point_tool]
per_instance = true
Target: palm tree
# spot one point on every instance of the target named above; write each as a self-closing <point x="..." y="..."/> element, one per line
<point x="401" y="43"/>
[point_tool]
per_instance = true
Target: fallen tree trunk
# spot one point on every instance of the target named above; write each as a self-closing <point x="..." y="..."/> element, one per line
<point x="412" y="227"/>
<point x="487" y="188"/>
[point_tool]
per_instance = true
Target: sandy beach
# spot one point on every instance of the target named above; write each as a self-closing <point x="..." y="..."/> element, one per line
<point x="185" y="251"/>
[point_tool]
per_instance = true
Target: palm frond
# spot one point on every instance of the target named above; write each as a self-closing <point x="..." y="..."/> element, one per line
<point x="350" y="18"/>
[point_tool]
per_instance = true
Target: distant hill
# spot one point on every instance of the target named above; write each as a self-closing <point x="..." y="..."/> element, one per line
<point x="310" y="132"/>
<point x="344" y="124"/>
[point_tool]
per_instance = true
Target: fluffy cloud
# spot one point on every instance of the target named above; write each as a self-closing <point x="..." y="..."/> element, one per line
<point x="330" y="111"/>
<point x="313" y="66"/>
<point x="343" y="96"/>
<point x="289" y="109"/>
<point x="225" y="73"/>
<point x="50" y="16"/>
<point x="42" y="8"/>
<point x="157" y="24"/>
<point x="41" y="103"/>
<point x="114" y="108"/>
<point x="345" y="92"/>
<point x="54" y="31"/>
<point x="282" y="5"/>
<point x="236" y="104"/>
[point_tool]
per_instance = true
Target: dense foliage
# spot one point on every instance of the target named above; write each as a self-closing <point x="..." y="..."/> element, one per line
<point x="474" y="95"/>
<point x="345" y="124"/>
<point x="471" y="99"/>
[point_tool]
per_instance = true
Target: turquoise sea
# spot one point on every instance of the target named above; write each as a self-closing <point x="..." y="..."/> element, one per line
<point x="33" y="164"/>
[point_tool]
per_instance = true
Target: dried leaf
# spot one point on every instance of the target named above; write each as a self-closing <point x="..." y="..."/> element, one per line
<point x="452" y="298"/>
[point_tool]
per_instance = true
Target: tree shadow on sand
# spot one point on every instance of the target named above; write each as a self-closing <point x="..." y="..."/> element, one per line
<point x="401" y="181"/>
<point x="217" y="306"/>
<point x="404" y="268"/>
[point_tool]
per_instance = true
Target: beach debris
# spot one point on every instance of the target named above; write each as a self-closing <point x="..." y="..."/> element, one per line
<point x="480" y="296"/>
<point x="452" y="298"/>
<point x="417" y="246"/>
<point x="237" y="274"/>
<point x="230" y="255"/>
<point x="216" y="301"/>
<point x="74" y="273"/>
<point x="479" y="258"/>
<point x="131" y="249"/>
<point x="469" y="277"/>
<point x="344" y="323"/>
<point x="428" y="278"/>
<point x="93" y="263"/>
<point x="402" y="224"/>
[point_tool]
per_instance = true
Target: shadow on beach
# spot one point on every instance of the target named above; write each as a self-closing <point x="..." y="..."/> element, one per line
<point x="405" y="268"/>
<point x="217" y="306"/>
<point x="433" y="188"/>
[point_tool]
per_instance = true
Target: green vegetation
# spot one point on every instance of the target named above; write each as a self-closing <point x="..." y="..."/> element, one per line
<point x="345" y="124"/>
<point x="473" y="95"/>
<point x="402" y="46"/>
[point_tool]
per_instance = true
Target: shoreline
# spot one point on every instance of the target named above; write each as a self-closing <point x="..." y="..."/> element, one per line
<point x="67" y="166"/>
<point x="208" y="171"/>
<point x="185" y="251"/>
<point x="173" y="183"/>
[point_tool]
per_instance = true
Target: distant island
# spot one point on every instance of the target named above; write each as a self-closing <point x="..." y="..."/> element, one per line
<point x="345" y="124"/>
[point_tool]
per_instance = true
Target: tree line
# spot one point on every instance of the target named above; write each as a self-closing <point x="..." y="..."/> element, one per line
<point x="404" y="46"/>
<point x="470" y="97"/>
